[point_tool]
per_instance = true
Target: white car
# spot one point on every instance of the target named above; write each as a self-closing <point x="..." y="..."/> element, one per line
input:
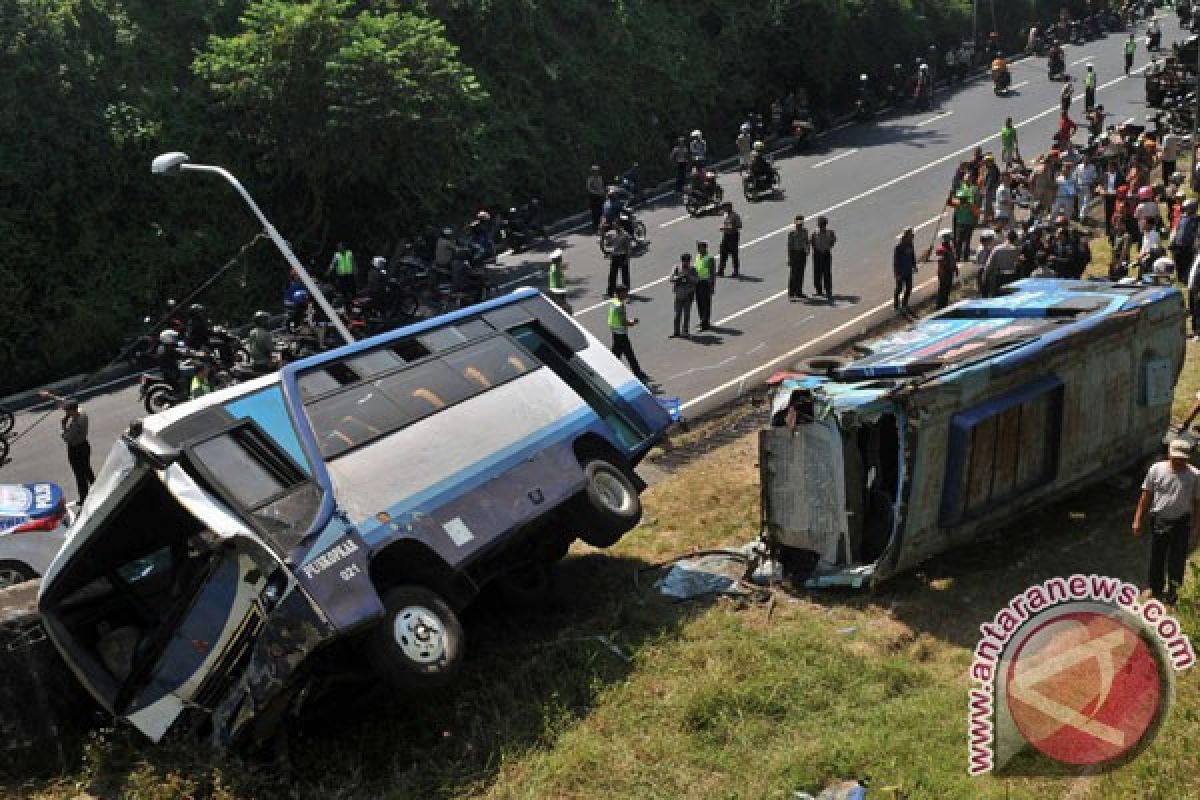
<point x="33" y="526"/>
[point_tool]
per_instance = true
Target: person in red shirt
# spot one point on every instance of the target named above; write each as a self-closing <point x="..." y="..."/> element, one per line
<point x="1066" y="129"/>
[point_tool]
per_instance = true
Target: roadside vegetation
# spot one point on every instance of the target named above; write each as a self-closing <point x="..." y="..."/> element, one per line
<point x="614" y="692"/>
<point x="363" y="121"/>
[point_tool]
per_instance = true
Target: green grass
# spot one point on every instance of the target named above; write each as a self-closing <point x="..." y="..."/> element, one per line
<point x="614" y="693"/>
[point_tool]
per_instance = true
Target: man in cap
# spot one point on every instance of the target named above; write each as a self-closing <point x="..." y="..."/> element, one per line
<point x="947" y="267"/>
<point x="904" y="264"/>
<point x="731" y="234"/>
<point x="1171" y="495"/>
<point x="987" y="243"/>
<point x="75" y="436"/>
<point x="823" y="241"/>
<point x="619" y="323"/>
<point x="797" y="253"/>
<point x="706" y="273"/>
<point x="683" y="286"/>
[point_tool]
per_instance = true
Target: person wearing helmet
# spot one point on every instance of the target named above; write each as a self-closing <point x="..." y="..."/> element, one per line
<point x="196" y="333"/>
<point x="481" y="236"/>
<point x="865" y="99"/>
<point x="923" y="90"/>
<point x="698" y="148"/>
<point x="745" y="145"/>
<point x="342" y="268"/>
<point x="898" y="84"/>
<point x="202" y="381"/>
<point x="556" y="280"/>
<point x="1183" y="239"/>
<point x="760" y="169"/>
<point x="169" y="355"/>
<point x="261" y="344"/>
<point x="596" y="192"/>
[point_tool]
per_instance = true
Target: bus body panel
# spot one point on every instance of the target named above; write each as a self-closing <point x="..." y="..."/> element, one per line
<point x="1002" y="406"/>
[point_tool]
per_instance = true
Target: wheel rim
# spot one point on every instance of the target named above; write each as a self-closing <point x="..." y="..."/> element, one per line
<point x="11" y="576"/>
<point x="611" y="491"/>
<point x="419" y="634"/>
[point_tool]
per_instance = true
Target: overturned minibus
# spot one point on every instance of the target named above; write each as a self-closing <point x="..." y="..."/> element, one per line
<point x="943" y="432"/>
<point x="362" y="496"/>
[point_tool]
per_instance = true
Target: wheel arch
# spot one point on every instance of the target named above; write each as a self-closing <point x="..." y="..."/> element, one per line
<point x="410" y="562"/>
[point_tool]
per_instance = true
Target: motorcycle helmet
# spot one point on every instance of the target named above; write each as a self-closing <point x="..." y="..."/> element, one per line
<point x="484" y="216"/>
<point x="448" y="232"/>
<point x="745" y="127"/>
<point x="1178" y="178"/>
<point x="1164" y="266"/>
<point x="696" y="134"/>
<point x="897" y="67"/>
<point x="759" y="147"/>
<point x="169" y="337"/>
<point x="195" y="309"/>
<point x="924" y="68"/>
<point x="556" y="255"/>
<point x="512" y="212"/>
<point x="261" y="318"/>
<point x="379" y="262"/>
<point x="299" y="297"/>
<point x="863" y="78"/>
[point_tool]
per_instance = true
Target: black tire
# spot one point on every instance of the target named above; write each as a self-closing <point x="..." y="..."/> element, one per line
<point x="3" y="449"/>
<point x="609" y="506"/>
<point x="748" y="189"/>
<point x="7" y="420"/>
<point x="693" y="205"/>
<point x="718" y="196"/>
<point x="419" y="643"/>
<point x="821" y="365"/>
<point x="407" y="306"/>
<point x="13" y="573"/>
<point x="159" y="398"/>
<point x="639" y="232"/>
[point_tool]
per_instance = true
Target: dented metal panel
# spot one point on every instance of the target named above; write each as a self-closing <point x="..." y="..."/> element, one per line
<point x="1115" y="350"/>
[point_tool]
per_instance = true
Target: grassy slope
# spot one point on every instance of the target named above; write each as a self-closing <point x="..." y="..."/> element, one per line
<point x="614" y="693"/>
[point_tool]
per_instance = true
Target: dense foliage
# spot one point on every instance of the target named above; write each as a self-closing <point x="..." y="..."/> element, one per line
<point x="361" y="120"/>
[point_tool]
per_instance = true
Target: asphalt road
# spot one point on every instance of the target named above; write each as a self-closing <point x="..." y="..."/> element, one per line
<point x="871" y="181"/>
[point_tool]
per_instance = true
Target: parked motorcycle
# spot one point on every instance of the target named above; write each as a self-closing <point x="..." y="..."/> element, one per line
<point x="705" y="198"/>
<point x="627" y="220"/>
<point x="803" y="132"/>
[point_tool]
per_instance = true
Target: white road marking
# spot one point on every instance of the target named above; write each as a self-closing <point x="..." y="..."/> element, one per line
<point x="943" y="115"/>
<point x="537" y="273"/>
<point x="1081" y="60"/>
<point x="1019" y="85"/>
<point x="839" y="156"/>
<point x="885" y="185"/>
<point x="671" y="222"/>
<point x="741" y="379"/>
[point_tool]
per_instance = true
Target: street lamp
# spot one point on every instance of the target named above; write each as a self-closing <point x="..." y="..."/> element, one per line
<point x="174" y="163"/>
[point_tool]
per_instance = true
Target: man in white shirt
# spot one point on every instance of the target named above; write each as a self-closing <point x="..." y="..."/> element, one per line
<point x="1085" y="177"/>
<point x="1168" y="154"/>
<point x="1171" y="495"/>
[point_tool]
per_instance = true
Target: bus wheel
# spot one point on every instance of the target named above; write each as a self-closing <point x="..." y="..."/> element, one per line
<point x="610" y="505"/>
<point x="419" y="642"/>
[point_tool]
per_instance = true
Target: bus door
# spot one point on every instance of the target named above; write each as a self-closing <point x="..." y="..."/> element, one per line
<point x="595" y="391"/>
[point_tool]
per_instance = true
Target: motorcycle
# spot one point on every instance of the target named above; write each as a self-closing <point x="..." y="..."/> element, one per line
<point x="708" y="196"/>
<point x="521" y="227"/>
<point x="157" y="394"/>
<point x="1077" y="34"/>
<point x="627" y="220"/>
<point x="803" y="132"/>
<point x="755" y="186"/>
<point x="1154" y="41"/>
<point x="863" y="110"/>
<point x="629" y="191"/>
<point x="1056" y="68"/>
<point x="1001" y="80"/>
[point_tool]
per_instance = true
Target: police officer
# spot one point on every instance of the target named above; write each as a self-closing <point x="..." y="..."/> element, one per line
<point x="557" y="280"/>
<point x="619" y="323"/>
<point x="705" y="276"/>
<point x="342" y="269"/>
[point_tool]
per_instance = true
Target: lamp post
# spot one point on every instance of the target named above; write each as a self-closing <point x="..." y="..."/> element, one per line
<point x="173" y="163"/>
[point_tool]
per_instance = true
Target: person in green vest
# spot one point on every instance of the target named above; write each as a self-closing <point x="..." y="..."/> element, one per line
<point x="342" y="269"/>
<point x="619" y="323"/>
<point x="1010" y="150"/>
<point x="1089" y="88"/>
<point x="557" y="280"/>
<point x="1130" y="49"/>
<point x="202" y="380"/>
<point x="966" y="215"/>
<point x="706" y="268"/>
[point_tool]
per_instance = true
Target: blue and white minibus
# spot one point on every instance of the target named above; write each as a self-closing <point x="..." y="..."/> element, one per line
<point x="368" y="493"/>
